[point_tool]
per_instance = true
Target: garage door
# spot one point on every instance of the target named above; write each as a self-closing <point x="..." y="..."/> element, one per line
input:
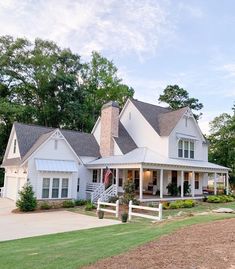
<point x="11" y="189"/>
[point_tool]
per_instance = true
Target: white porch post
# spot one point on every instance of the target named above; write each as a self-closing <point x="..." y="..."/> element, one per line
<point x="141" y="183"/>
<point x="182" y="183"/>
<point x="161" y="183"/>
<point x="117" y="180"/>
<point x="193" y="183"/>
<point x="215" y="183"/>
<point x="101" y="175"/>
<point x="227" y="183"/>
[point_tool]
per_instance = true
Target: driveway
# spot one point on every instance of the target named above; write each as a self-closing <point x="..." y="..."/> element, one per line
<point x="15" y="226"/>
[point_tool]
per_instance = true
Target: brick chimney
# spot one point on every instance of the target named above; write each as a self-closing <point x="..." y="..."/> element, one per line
<point x="109" y="128"/>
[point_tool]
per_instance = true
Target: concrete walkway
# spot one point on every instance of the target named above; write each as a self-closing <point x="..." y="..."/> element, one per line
<point x="15" y="226"/>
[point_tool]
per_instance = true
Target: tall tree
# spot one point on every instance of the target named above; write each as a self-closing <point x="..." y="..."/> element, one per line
<point x="222" y="142"/>
<point x="101" y="83"/>
<point x="177" y="97"/>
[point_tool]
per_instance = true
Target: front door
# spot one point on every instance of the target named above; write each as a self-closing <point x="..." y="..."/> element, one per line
<point x="174" y="177"/>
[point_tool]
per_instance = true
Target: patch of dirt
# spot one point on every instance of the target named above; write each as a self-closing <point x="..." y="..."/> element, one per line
<point x="202" y="246"/>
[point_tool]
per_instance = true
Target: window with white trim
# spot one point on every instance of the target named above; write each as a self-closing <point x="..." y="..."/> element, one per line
<point x="45" y="187"/>
<point x="95" y="176"/>
<point x="64" y="188"/>
<point x="186" y="149"/>
<point x="14" y="147"/>
<point x="55" y="188"/>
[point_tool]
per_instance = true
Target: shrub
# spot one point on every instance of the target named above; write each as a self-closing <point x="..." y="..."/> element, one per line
<point x="172" y="189"/>
<point x="100" y="214"/>
<point x="113" y="199"/>
<point x="181" y="204"/>
<point x="220" y="199"/>
<point x="187" y="188"/>
<point x="165" y="205"/>
<point x="68" y="204"/>
<point x="80" y="202"/>
<point x="124" y="217"/>
<point x="129" y="192"/>
<point x="27" y="200"/>
<point x="174" y="205"/>
<point x="89" y="206"/>
<point x="188" y="203"/>
<point x="45" y="206"/>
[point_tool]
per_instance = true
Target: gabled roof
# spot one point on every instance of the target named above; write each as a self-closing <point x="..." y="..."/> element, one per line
<point x="163" y="120"/>
<point x="124" y="140"/>
<point x="30" y="137"/>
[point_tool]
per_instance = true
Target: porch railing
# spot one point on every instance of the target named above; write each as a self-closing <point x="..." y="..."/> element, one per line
<point x="108" y="193"/>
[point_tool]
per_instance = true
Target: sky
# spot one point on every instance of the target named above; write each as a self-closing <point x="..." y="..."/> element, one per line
<point x="153" y="43"/>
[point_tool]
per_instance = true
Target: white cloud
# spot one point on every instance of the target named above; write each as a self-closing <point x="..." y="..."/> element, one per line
<point x="192" y="10"/>
<point x="104" y="25"/>
<point x="229" y="69"/>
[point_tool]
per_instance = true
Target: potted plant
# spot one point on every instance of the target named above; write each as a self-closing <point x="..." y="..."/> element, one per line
<point x="100" y="214"/>
<point x="124" y="216"/>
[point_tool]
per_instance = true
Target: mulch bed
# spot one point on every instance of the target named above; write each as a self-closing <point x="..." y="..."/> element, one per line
<point x="202" y="246"/>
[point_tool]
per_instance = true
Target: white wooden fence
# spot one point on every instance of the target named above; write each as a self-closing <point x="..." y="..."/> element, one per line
<point x="147" y="208"/>
<point x="116" y="205"/>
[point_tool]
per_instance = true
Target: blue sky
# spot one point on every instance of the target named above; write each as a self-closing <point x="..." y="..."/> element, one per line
<point x="153" y="43"/>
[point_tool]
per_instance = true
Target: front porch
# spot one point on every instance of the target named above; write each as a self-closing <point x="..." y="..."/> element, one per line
<point x="153" y="183"/>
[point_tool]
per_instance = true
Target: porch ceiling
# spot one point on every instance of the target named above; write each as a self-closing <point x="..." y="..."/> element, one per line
<point x="148" y="158"/>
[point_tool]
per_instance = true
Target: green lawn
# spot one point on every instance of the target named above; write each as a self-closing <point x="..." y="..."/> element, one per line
<point x="74" y="249"/>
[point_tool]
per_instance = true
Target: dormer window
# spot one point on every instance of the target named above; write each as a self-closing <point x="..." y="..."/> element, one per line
<point x="55" y="144"/>
<point x="186" y="149"/>
<point x="14" y="146"/>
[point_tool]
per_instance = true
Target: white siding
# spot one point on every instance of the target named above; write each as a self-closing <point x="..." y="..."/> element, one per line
<point x="142" y="132"/>
<point x="10" y="153"/>
<point x="97" y="131"/>
<point x="117" y="150"/>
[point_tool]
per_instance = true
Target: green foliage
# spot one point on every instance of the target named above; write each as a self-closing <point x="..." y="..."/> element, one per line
<point x="124" y="217"/>
<point x="172" y="189"/>
<point x="222" y="142"/>
<point x="44" y="84"/>
<point x="187" y="188"/>
<point x="129" y="192"/>
<point x="27" y="201"/>
<point x="89" y="206"/>
<point x="113" y="199"/>
<point x="80" y="202"/>
<point x="45" y="206"/>
<point x="68" y="204"/>
<point x="177" y="97"/>
<point x="179" y="204"/>
<point x="220" y="199"/>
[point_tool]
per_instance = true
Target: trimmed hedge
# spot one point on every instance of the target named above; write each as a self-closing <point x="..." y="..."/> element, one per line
<point x="68" y="204"/>
<point x="220" y="199"/>
<point x="179" y="204"/>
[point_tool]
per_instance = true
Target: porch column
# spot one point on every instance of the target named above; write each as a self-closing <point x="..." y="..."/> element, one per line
<point x="161" y="183"/>
<point x="101" y="175"/>
<point x="117" y="180"/>
<point x="182" y="184"/>
<point x="141" y="183"/>
<point x="227" y="183"/>
<point x="193" y="183"/>
<point x="215" y="183"/>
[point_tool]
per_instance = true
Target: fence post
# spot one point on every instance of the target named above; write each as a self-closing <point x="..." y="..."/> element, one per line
<point x="117" y="208"/>
<point x="98" y="207"/>
<point x="130" y="208"/>
<point x="160" y="211"/>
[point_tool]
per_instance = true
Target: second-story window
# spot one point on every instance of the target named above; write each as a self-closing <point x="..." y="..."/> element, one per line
<point x="185" y="149"/>
<point x="14" y="146"/>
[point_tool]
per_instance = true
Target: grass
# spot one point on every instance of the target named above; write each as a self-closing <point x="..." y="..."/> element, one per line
<point x="74" y="249"/>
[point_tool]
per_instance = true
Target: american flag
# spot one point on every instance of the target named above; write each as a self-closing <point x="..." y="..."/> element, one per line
<point x="108" y="172"/>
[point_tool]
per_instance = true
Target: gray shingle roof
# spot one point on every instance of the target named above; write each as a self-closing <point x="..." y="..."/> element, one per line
<point x="124" y="140"/>
<point x="30" y="137"/>
<point x="163" y="120"/>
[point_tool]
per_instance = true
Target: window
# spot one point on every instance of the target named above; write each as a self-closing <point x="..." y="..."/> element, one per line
<point x="191" y="150"/>
<point x="129" y="115"/>
<point x="45" y="187"/>
<point x="78" y="185"/>
<point x="186" y="149"/>
<point x="186" y="122"/>
<point x="55" y="187"/>
<point x="180" y="149"/>
<point x="154" y="177"/>
<point x="95" y="176"/>
<point x="65" y="187"/>
<point x="56" y="144"/>
<point x="14" y="146"/>
<point x="196" y="181"/>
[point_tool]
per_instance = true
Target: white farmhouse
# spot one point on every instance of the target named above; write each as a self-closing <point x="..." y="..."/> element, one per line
<point x="151" y="145"/>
